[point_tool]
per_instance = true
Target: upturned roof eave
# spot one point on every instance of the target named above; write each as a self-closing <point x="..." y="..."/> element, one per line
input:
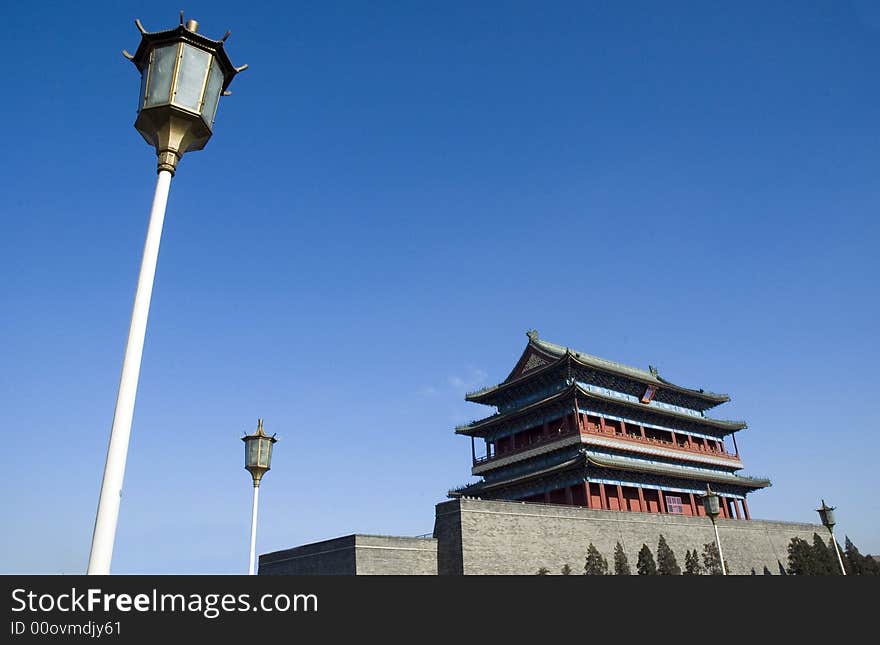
<point x="561" y="354"/>
<point x="476" y="426"/>
<point x="472" y="428"/>
<point x="721" y="424"/>
<point x="589" y="360"/>
<point x="732" y="478"/>
<point x="481" y="396"/>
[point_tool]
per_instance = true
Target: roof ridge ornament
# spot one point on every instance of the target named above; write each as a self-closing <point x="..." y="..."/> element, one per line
<point x="653" y="370"/>
<point x="532" y="334"/>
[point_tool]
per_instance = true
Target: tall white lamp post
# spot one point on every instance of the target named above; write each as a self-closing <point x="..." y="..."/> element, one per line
<point x="183" y="75"/>
<point x="712" y="506"/>
<point x="257" y="460"/>
<point x="826" y="514"/>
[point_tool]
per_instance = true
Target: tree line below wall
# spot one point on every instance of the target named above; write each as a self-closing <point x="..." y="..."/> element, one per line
<point x="818" y="558"/>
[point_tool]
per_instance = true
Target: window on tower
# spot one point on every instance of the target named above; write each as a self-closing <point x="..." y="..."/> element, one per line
<point x="673" y="504"/>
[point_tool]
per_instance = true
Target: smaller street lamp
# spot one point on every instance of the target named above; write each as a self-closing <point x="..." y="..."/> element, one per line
<point x="712" y="506"/>
<point x="826" y="514"/>
<point x="257" y="459"/>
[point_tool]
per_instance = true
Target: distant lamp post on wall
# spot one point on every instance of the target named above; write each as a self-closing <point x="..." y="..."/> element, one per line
<point x="712" y="506"/>
<point x="183" y="75"/>
<point x="826" y="514"/>
<point x="257" y="461"/>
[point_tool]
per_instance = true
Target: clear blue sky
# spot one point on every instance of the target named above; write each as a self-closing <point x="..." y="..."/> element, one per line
<point x="393" y="195"/>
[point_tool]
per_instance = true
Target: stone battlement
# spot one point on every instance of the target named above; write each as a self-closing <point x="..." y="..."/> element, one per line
<point x="478" y="537"/>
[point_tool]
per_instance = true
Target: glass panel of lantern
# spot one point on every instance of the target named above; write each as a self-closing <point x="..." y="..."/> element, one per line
<point x="265" y="451"/>
<point x="251" y="447"/>
<point x="194" y="66"/>
<point x="212" y="93"/>
<point x="142" y="95"/>
<point x="826" y="515"/>
<point x="160" y="75"/>
<point x="711" y="504"/>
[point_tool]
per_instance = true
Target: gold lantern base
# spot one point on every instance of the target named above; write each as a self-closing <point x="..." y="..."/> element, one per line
<point x="172" y="132"/>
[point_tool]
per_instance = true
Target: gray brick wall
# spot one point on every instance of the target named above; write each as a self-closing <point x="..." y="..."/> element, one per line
<point x="334" y="557"/>
<point x="355" y="555"/>
<point x="490" y="537"/>
<point x="385" y="555"/>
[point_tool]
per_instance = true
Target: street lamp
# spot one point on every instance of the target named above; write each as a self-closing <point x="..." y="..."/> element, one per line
<point x="257" y="460"/>
<point x="826" y="514"/>
<point x="183" y="75"/>
<point x="712" y="506"/>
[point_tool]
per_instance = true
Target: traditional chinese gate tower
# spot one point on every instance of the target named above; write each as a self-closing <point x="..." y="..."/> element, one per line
<point x="571" y="428"/>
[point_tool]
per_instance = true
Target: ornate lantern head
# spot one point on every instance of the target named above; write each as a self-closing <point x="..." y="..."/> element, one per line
<point x="183" y="75"/>
<point x="711" y="503"/>
<point x="258" y="452"/>
<point x="826" y="514"/>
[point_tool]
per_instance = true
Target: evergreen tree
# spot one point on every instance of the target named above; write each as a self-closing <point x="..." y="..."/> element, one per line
<point x="596" y="564"/>
<point x="543" y="571"/>
<point x="566" y="570"/>
<point x="824" y="561"/>
<point x="858" y="564"/>
<point x="621" y="563"/>
<point x="753" y="571"/>
<point x="767" y="571"/>
<point x="692" y="566"/>
<point x="711" y="560"/>
<point x="646" y="565"/>
<point x="666" y="562"/>
<point x="855" y="561"/>
<point x="782" y="571"/>
<point x="800" y="558"/>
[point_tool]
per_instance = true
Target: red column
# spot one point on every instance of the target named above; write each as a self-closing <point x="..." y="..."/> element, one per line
<point x="674" y="442"/>
<point x="642" y="504"/>
<point x="602" y="424"/>
<point x="620" y="505"/>
<point x="603" y="497"/>
<point x="568" y="496"/>
<point x="693" y="505"/>
<point x="746" y="509"/>
<point x="661" y="501"/>
<point x="736" y="508"/>
<point x="642" y="431"/>
<point x="588" y="495"/>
